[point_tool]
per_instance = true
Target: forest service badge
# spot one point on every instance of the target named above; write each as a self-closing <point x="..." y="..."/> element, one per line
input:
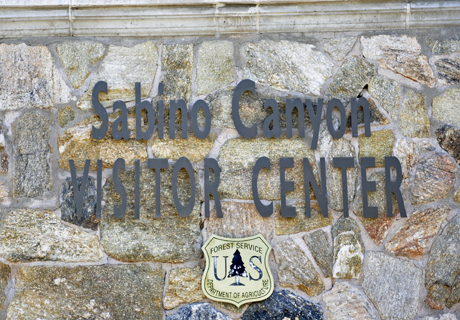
<point x="237" y="270"/>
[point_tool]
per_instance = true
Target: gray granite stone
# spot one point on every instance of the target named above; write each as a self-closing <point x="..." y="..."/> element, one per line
<point x="31" y="133"/>
<point x="448" y="71"/>
<point x="413" y="117"/>
<point x="88" y="292"/>
<point x="319" y="246"/>
<point x="286" y="65"/>
<point x="78" y="59"/>
<point x="441" y="279"/>
<point x="68" y="206"/>
<point x="4" y="276"/>
<point x="445" y="107"/>
<point x="350" y="79"/>
<point x="445" y="46"/>
<point x="388" y="93"/>
<point x="348" y="249"/>
<point x="339" y="47"/>
<point x="283" y="305"/>
<point x="434" y="178"/>
<point x="295" y="270"/>
<point x="215" y="67"/>
<point x="393" y="285"/>
<point x="198" y="311"/>
<point x="449" y="139"/>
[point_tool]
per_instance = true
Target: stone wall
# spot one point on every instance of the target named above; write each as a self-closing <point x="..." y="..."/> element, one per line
<point x="55" y="265"/>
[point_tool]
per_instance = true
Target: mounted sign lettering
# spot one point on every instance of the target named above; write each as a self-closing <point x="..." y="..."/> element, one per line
<point x="237" y="270"/>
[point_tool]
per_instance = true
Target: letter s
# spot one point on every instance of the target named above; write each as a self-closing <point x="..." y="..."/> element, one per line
<point x="100" y="133"/>
<point x="255" y="268"/>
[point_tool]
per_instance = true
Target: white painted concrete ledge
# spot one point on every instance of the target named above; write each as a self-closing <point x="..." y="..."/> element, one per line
<point x="31" y="18"/>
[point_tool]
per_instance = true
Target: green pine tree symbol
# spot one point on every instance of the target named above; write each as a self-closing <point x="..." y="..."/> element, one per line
<point x="237" y="269"/>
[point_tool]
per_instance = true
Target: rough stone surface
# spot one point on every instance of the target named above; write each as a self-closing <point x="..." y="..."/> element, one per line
<point x="446" y="316"/>
<point x="90" y="292"/>
<point x="350" y="79"/>
<point x="66" y="115"/>
<point x="446" y="46"/>
<point x="78" y="144"/>
<point x="405" y="151"/>
<point x="379" y="145"/>
<point x="319" y="246"/>
<point x="284" y="305"/>
<point x="29" y="78"/>
<point x="413" y="118"/>
<point x="31" y="132"/>
<point x="4" y="162"/>
<point x="377" y="228"/>
<point x="192" y="148"/>
<point x="149" y="238"/>
<point x="215" y="67"/>
<point x="388" y="93"/>
<point x="286" y="65"/>
<point x="33" y="235"/>
<point x="348" y="249"/>
<point x="239" y="220"/>
<point x="176" y="66"/>
<point x="448" y="71"/>
<point x="457" y="195"/>
<point x="295" y="270"/>
<point x="347" y="302"/>
<point x="198" y="311"/>
<point x="434" y="178"/>
<point x="78" y="59"/>
<point x="237" y="158"/>
<point x="68" y="206"/>
<point x="184" y="286"/>
<point x="393" y="285"/>
<point x="340" y="148"/>
<point x="400" y="54"/>
<point x="445" y="107"/>
<point x="300" y="223"/>
<point x="376" y="117"/>
<point x="441" y="276"/>
<point x="121" y="68"/>
<point x="4" y="275"/>
<point x="416" y="236"/>
<point x="449" y="139"/>
<point x="338" y="48"/>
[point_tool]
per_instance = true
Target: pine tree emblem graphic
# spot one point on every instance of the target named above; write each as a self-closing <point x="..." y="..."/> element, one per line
<point x="237" y="269"/>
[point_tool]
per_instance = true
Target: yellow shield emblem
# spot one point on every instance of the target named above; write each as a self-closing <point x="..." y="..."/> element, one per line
<point x="237" y="270"/>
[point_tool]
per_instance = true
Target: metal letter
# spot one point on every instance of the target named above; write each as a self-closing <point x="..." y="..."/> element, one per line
<point x="275" y="117"/>
<point x="183" y="163"/>
<point x="100" y="133"/>
<point x="286" y="186"/>
<point x="255" y="268"/>
<point x="362" y="102"/>
<point x="211" y="187"/>
<point x="150" y="116"/>
<point x="309" y="179"/>
<point x="161" y="118"/>
<point x="119" y="212"/>
<point x="343" y="163"/>
<point x="201" y="104"/>
<point x="123" y="118"/>
<point x="157" y="165"/>
<point x="368" y="186"/>
<point x="137" y="174"/>
<point x="315" y="118"/>
<point x="290" y="105"/>
<point x="79" y="193"/>
<point x="336" y="103"/>
<point x="173" y="107"/>
<point x="99" y="189"/>
<point x="393" y="186"/>
<point x="242" y="87"/>
<point x="215" y="268"/>
<point x="264" y="211"/>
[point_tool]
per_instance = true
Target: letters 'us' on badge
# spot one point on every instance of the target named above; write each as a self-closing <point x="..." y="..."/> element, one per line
<point x="237" y="270"/>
